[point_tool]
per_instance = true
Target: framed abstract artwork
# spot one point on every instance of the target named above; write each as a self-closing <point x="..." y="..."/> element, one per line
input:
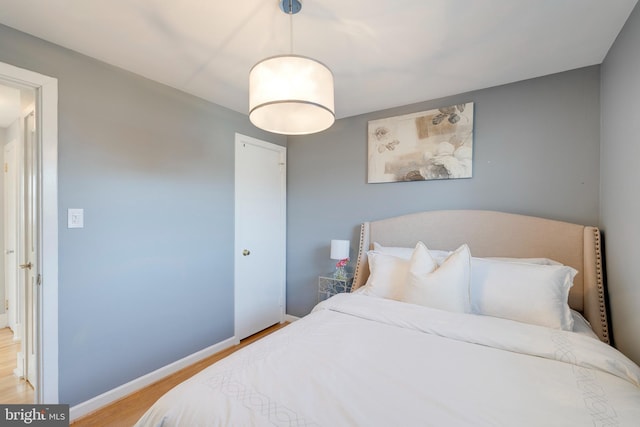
<point x="434" y="144"/>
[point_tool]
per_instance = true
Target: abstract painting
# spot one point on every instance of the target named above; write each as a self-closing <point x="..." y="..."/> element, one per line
<point x="434" y="144"/>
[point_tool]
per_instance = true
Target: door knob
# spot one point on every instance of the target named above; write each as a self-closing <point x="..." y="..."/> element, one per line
<point x="246" y="252"/>
<point x="27" y="265"/>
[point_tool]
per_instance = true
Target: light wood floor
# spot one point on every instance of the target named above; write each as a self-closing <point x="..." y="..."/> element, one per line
<point x="12" y="389"/>
<point x="128" y="410"/>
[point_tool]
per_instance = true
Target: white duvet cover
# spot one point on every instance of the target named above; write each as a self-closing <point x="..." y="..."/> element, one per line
<point x="363" y="361"/>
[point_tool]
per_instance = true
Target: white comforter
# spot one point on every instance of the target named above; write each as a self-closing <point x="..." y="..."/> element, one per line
<point x="362" y="361"/>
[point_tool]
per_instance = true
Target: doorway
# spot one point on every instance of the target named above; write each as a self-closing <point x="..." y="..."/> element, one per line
<point x="19" y="211"/>
<point x="36" y="251"/>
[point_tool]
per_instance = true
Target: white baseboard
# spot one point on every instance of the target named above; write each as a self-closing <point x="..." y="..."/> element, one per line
<point x="18" y="371"/>
<point x="17" y="332"/>
<point x="117" y="393"/>
<point x="289" y="318"/>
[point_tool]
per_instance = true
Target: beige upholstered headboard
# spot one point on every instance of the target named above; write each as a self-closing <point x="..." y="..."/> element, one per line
<point x="501" y="234"/>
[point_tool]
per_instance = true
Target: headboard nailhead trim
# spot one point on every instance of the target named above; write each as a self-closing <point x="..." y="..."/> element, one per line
<point x="600" y="285"/>
<point x="358" y="271"/>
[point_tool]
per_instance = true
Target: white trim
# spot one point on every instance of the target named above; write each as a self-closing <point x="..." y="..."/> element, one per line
<point x="18" y="371"/>
<point x="4" y="320"/>
<point x="17" y="334"/>
<point x="289" y="318"/>
<point x="124" y="390"/>
<point x="47" y="101"/>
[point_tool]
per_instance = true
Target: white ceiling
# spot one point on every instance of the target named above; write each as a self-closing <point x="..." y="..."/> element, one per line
<point x="382" y="53"/>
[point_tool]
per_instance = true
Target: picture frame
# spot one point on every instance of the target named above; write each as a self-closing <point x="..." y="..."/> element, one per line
<point x="429" y="145"/>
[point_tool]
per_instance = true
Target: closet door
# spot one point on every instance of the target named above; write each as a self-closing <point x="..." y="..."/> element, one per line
<point x="260" y="235"/>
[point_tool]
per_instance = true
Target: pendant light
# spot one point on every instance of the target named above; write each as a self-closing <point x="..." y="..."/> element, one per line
<point x="291" y="94"/>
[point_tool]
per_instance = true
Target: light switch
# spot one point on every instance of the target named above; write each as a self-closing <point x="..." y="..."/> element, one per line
<point x="75" y="218"/>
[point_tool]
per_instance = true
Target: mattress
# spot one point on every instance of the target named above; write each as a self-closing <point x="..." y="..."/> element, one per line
<point x="363" y="361"/>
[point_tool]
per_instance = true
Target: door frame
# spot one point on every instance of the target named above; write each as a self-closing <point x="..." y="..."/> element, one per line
<point x="29" y="233"/>
<point x="46" y="89"/>
<point x="240" y="139"/>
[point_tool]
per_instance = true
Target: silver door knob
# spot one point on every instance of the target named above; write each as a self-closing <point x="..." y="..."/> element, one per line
<point x="246" y="252"/>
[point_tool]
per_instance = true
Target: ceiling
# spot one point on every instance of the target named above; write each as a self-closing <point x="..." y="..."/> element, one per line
<point x="382" y="53"/>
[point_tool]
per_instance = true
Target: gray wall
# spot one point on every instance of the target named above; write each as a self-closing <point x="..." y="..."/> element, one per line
<point x="149" y="279"/>
<point x="536" y="152"/>
<point x="620" y="204"/>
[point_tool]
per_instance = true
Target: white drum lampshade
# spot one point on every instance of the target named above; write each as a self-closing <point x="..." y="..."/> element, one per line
<point x="339" y="249"/>
<point x="291" y="95"/>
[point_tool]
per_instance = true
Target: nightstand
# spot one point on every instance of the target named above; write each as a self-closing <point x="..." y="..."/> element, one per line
<point x="328" y="286"/>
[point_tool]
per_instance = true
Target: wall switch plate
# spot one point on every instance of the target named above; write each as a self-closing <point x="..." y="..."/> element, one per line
<point x="75" y="218"/>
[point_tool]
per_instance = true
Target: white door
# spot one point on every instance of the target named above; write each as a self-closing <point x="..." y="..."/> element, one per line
<point x="30" y="261"/>
<point x="10" y="236"/>
<point x="260" y="235"/>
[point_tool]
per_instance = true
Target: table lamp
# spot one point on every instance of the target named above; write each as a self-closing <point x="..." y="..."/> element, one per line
<point x="340" y="252"/>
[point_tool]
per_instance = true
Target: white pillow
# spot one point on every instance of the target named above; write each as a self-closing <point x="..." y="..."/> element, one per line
<point x="582" y="326"/>
<point x="387" y="274"/>
<point x="440" y="255"/>
<point x="445" y="287"/>
<point x="406" y="253"/>
<point x="539" y="261"/>
<point x="528" y="293"/>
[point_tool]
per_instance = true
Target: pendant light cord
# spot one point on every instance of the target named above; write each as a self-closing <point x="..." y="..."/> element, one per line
<point x="291" y="27"/>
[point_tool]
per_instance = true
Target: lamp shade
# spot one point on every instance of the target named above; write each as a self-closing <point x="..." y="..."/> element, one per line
<point x="291" y="95"/>
<point x="339" y="249"/>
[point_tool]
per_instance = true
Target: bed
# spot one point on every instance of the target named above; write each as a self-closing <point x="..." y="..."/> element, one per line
<point x="409" y="346"/>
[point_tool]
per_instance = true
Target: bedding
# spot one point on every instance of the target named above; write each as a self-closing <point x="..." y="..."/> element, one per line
<point x="582" y="325"/>
<point x="500" y="234"/>
<point x="444" y="286"/>
<point x="529" y="293"/>
<point x="388" y="275"/>
<point x="530" y="290"/>
<point x="382" y="356"/>
<point x="440" y="255"/>
<point x="363" y="361"/>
